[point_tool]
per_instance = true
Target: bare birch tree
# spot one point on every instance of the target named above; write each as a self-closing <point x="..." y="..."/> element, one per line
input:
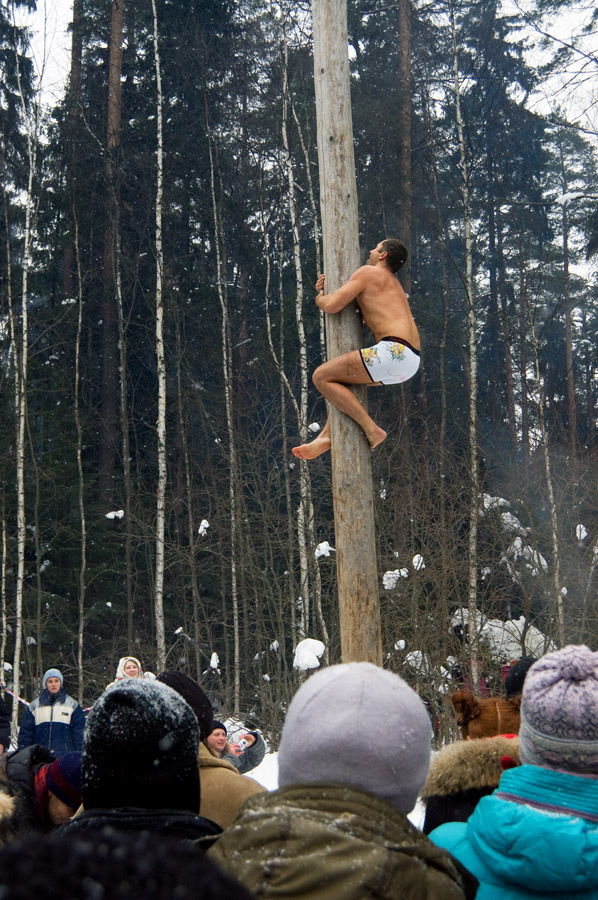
<point x="473" y="367"/>
<point x="160" y="367"/>
<point x="20" y="350"/>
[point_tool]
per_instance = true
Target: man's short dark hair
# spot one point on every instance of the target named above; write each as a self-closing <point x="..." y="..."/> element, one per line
<point x="396" y="253"/>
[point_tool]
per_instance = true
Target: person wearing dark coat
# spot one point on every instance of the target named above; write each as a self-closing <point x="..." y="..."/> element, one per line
<point x="111" y="866"/>
<point x="4" y="726"/>
<point x="44" y="791"/>
<point x="461" y="774"/>
<point x="54" y="719"/>
<point x="139" y="769"/>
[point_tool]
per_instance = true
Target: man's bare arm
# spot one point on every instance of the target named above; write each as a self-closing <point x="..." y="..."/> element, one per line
<point x="337" y="300"/>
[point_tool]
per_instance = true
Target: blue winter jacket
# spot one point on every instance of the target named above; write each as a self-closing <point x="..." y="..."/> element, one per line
<point x="55" y="721"/>
<point x="535" y="836"/>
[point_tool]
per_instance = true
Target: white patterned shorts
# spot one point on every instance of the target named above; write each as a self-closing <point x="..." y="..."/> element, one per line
<point x="391" y="361"/>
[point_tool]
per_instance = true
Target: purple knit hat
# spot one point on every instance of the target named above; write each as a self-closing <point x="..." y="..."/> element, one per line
<point x="559" y="712"/>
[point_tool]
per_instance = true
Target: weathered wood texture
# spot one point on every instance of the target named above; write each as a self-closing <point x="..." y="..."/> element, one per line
<point x="351" y="464"/>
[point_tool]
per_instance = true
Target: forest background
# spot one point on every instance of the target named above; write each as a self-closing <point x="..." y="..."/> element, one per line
<point x="160" y="241"/>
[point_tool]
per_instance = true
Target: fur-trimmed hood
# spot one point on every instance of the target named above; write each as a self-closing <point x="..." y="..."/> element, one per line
<point x="468" y="765"/>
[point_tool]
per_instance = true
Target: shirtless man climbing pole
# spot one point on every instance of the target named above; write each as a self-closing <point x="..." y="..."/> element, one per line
<point x="394" y="357"/>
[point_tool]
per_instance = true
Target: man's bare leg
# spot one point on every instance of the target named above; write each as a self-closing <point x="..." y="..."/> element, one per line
<point x="332" y="379"/>
<point x="319" y="445"/>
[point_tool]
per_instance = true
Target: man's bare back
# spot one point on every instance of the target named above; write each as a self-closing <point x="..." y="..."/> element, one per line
<point x="384" y="306"/>
<point x="385" y="310"/>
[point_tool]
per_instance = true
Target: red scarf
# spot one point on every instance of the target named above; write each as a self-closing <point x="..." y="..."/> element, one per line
<point x="40" y="794"/>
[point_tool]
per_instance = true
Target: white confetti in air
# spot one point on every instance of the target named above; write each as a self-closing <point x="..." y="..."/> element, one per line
<point x="418" y="562"/>
<point x="581" y="533"/>
<point x="203" y="527"/>
<point x="116" y="514"/>
<point x="314" y="427"/>
<point x="214" y="661"/>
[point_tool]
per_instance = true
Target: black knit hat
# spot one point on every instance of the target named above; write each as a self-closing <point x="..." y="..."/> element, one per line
<point x="191" y="692"/>
<point x="140" y="749"/>
<point x="216" y="724"/>
<point x="516" y="676"/>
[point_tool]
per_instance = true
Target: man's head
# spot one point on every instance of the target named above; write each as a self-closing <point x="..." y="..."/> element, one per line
<point x="390" y="253"/>
<point x="216" y="741"/>
<point x="359" y="725"/>
<point x="140" y="749"/>
<point x="559" y="712"/>
<point x="52" y="681"/>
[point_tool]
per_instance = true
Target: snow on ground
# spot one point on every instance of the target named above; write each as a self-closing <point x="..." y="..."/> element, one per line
<point x="267" y="772"/>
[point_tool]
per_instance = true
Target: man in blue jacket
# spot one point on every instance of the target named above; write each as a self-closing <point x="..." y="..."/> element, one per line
<point x="53" y="719"/>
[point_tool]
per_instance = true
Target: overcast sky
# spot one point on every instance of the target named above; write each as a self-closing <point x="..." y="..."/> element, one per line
<point x="577" y="89"/>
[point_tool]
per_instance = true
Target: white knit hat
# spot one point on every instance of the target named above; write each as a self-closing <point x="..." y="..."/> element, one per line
<point x="357" y="724"/>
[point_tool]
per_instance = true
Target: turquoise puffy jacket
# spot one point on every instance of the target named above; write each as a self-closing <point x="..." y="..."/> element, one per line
<point x="535" y="836"/>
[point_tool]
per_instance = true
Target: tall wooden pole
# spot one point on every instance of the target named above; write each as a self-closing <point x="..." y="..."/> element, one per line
<point x="351" y="465"/>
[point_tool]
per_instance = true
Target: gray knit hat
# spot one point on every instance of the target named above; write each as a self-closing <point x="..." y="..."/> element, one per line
<point x="52" y="673"/>
<point x="559" y="712"/>
<point x="357" y="724"/>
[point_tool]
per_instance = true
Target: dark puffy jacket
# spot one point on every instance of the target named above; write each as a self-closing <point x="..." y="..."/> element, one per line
<point x="4" y="725"/>
<point x="55" y="721"/>
<point x="178" y="824"/>
<point x="17" y="772"/>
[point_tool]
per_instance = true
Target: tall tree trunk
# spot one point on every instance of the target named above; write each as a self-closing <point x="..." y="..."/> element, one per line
<point x="233" y="480"/>
<point x="21" y="357"/>
<point x="571" y="404"/>
<point x="507" y="338"/>
<point x="160" y="368"/>
<point x="305" y="518"/>
<point x="554" y="525"/>
<point x="523" y="307"/>
<point x="351" y="464"/>
<point x="198" y="612"/>
<point x="81" y="479"/>
<point x="404" y="121"/>
<point x="74" y="121"/>
<point x="473" y="378"/>
<point x="108" y="439"/>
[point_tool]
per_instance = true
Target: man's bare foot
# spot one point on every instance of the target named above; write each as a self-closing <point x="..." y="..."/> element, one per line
<point x="376" y="437"/>
<point x="309" y="451"/>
